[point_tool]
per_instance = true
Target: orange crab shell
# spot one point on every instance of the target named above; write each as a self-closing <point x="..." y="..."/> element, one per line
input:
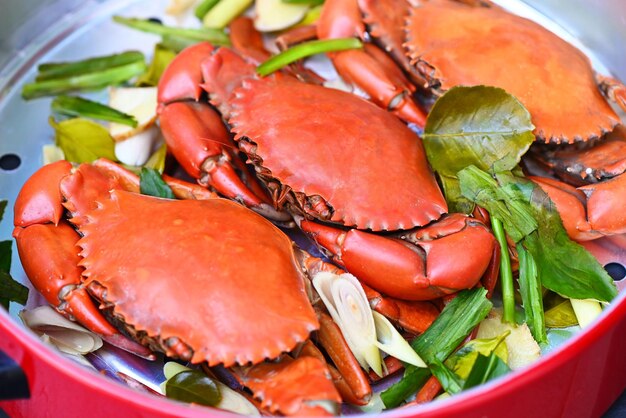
<point x="455" y="44"/>
<point x="171" y="269"/>
<point x="325" y="142"/>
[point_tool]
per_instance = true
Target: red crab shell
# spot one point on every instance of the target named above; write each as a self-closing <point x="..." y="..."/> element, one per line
<point x="232" y="295"/>
<point x="455" y="44"/>
<point x="327" y="143"/>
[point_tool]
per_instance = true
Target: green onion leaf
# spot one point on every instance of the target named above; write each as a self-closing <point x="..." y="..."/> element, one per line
<point x="193" y="386"/>
<point x="411" y="382"/>
<point x="532" y="299"/>
<point x="304" y="50"/>
<point x="486" y="368"/>
<point x="506" y="273"/>
<point x="55" y="70"/>
<point x="214" y="36"/>
<point x="451" y="327"/>
<point x="450" y="382"/>
<point x="77" y="106"/>
<point x="151" y="184"/>
<point x="87" y="81"/>
<point x="204" y="7"/>
<point x="83" y="141"/>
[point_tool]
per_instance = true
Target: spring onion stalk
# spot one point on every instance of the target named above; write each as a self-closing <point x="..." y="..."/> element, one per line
<point x="586" y="311"/>
<point x="77" y="106"/>
<point x="90" y="81"/>
<point x="224" y="12"/>
<point x="307" y="2"/>
<point x="214" y="36"/>
<point x="304" y="50"/>
<point x="204" y="7"/>
<point x="506" y="274"/>
<point x="532" y="300"/>
<point x="55" y="70"/>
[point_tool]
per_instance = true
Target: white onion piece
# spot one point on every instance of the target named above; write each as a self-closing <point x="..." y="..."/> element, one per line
<point x="586" y="311"/>
<point x="140" y="102"/>
<point x="137" y="149"/>
<point x="348" y="306"/>
<point x="391" y="342"/>
<point x="52" y="154"/>
<point x="273" y="15"/>
<point x="178" y="7"/>
<point x="64" y="334"/>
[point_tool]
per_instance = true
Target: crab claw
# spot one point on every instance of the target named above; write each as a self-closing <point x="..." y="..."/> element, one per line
<point x="417" y="267"/>
<point x="613" y="89"/>
<point x="590" y="211"/>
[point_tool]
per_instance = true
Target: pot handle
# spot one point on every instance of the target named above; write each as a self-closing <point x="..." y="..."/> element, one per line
<point x="14" y="382"/>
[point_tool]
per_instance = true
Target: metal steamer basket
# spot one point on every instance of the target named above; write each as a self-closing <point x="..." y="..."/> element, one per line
<point x="582" y="378"/>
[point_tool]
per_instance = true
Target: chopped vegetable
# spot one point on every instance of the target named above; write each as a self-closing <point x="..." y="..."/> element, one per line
<point x="151" y="184"/>
<point x="10" y="290"/>
<point x="274" y="15"/>
<point x="77" y="106"/>
<point x="160" y="60"/>
<point x="82" y="140"/>
<point x="136" y="150"/>
<point x="221" y="14"/>
<point x="481" y="126"/>
<point x="462" y="362"/>
<point x="178" y="7"/>
<point x="157" y="160"/>
<point x="561" y="315"/>
<point x="193" y="386"/>
<point x="83" y="81"/>
<point x="138" y="102"/>
<point x="529" y="217"/>
<point x="586" y="311"/>
<point x="307" y="2"/>
<point x="56" y="70"/>
<point x="391" y="342"/>
<point x="306" y="49"/>
<point x="486" y="368"/>
<point x="214" y="36"/>
<point x="51" y="154"/>
<point x="506" y="274"/>
<point x="203" y="8"/>
<point x="532" y="300"/>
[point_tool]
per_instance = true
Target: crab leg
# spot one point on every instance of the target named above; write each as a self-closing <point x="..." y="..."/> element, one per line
<point x="612" y="89"/>
<point x="369" y="69"/>
<point x="431" y="262"/>
<point x="47" y="248"/>
<point x="590" y="211"/>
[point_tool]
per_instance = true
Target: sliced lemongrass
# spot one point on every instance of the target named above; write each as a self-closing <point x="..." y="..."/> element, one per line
<point x="88" y="81"/>
<point x="138" y="102"/>
<point x="306" y="49"/>
<point x="311" y="17"/>
<point x="231" y="400"/>
<point x="586" y="311"/>
<point x="214" y="36"/>
<point x="137" y="149"/>
<point x="51" y="154"/>
<point x="66" y="335"/>
<point x="391" y="342"/>
<point x="79" y="107"/>
<point x="348" y="306"/>
<point x="220" y="15"/>
<point x="274" y="15"/>
<point x="178" y="7"/>
<point x="203" y="8"/>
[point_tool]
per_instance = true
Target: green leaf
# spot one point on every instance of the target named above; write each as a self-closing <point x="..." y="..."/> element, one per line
<point x="79" y="107"/>
<point x="157" y="160"/>
<point x="83" y="141"/>
<point x="451" y="327"/>
<point x="3" y="206"/>
<point x="80" y="82"/>
<point x="561" y="315"/>
<point x="411" y="382"/>
<point x="532" y="298"/>
<point x="481" y="126"/>
<point x="160" y="60"/>
<point x="486" y="368"/>
<point x="151" y="184"/>
<point x="530" y="217"/>
<point x="193" y="386"/>
<point x="11" y="290"/>
<point x="450" y="382"/>
<point x="49" y="71"/>
<point x="304" y="50"/>
<point x="203" y="8"/>
<point x="5" y="255"/>
<point x="462" y="362"/>
<point x="214" y="36"/>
